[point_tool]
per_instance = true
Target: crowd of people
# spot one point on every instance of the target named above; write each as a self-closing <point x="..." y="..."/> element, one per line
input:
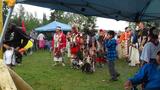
<point x="139" y="47"/>
<point x="88" y="51"/>
<point x="144" y="49"/>
<point x="80" y="47"/>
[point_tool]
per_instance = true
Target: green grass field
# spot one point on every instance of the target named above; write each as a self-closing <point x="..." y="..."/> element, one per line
<point x="37" y="70"/>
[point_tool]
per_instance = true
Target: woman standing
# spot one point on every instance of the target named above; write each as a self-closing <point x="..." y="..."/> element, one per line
<point x="41" y="40"/>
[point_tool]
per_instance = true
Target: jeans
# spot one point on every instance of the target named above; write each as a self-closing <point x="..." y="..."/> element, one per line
<point x="111" y="66"/>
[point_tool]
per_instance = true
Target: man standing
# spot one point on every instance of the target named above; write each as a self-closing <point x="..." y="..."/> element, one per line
<point x="58" y="44"/>
<point x="142" y="35"/>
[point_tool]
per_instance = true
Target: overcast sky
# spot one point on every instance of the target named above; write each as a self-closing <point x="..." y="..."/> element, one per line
<point x="102" y="23"/>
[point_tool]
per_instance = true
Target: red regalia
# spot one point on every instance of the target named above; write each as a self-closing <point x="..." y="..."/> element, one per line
<point x="58" y="44"/>
<point x="75" y="40"/>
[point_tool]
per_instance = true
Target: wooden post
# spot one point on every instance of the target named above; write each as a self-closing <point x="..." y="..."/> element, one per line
<point x="19" y="82"/>
<point x="1" y="25"/>
<point x="6" y="81"/>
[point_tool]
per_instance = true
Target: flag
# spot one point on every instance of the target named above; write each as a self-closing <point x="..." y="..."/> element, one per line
<point x="23" y="26"/>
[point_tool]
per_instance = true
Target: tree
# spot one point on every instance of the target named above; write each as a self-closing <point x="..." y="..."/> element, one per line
<point x="148" y="24"/>
<point x="60" y="16"/>
<point x="56" y="15"/>
<point x="5" y="11"/>
<point x="15" y="19"/>
<point x="21" y="11"/>
<point x="45" y="21"/>
<point x="79" y="20"/>
<point x="89" y="25"/>
<point x="132" y="25"/>
<point x="30" y="20"/>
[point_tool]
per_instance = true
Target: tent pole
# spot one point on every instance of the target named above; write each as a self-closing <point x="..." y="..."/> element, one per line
<point x="5" y="26"/>
<point x="1" y="25"/>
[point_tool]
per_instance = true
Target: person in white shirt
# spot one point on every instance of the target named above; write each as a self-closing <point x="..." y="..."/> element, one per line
<point x="41" y="39"/>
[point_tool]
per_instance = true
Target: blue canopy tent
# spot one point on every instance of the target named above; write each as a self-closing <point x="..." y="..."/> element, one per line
<point x="129" y="10"/>
<point x="51" y="27"/>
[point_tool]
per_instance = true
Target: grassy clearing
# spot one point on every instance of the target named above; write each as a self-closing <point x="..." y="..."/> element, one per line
<point x="37" y="70"/>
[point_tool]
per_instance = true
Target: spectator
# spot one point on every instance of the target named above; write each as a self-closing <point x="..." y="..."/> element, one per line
<point x="151" y="48"/>
<point x="142" y="34"/>
<point x="41" y="40"/>
<point x="33" y="35"/>
<point x="149" y="74"/>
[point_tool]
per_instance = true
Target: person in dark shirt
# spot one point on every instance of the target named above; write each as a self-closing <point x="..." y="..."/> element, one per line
<point x="15" y="38"/>
<point x="140" y="38"/>
<point x="142" y="34"/>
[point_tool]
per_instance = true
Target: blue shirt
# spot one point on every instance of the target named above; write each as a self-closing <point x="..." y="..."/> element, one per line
<point x="150" y="75"/>
<point x="111" y="52"/>
<point x="149" y="51"/>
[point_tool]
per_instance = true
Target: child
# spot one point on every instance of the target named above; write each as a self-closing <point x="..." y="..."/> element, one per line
<point x="111" y="54"/>
<point x="100" y="58"/>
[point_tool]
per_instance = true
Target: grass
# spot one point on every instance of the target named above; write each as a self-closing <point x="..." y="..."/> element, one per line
<point x="37" y="70"/>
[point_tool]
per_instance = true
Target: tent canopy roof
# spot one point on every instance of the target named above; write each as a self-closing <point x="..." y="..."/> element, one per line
<point x="130" y="10"/>
<point x="52" y="27"/>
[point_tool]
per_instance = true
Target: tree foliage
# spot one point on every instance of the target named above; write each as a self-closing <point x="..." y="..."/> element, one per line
<point x="31" y="22"/>
<point x="148" y="24"/>
<point x="84" y="23"/>
<point x="5" y="11"/>
<point x="45" y="20"/>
